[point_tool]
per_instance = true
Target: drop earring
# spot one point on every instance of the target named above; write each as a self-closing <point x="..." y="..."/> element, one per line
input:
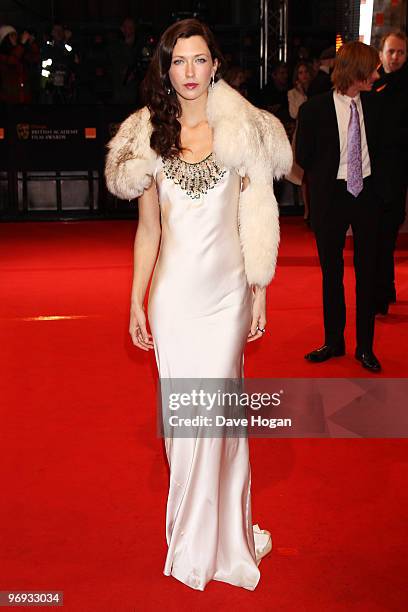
<point x="168" y="91"/>
<point x="212" y="81"/>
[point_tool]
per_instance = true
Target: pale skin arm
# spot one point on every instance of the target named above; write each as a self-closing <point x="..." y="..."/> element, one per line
<point x="259" y="299"/>
<point x="258" y="313"/>
<point x="146" y="245"/>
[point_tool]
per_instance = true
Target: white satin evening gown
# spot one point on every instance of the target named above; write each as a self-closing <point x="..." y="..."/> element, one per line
<point x="199" y="311"/>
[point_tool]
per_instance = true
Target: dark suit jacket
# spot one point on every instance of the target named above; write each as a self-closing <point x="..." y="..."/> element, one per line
<point x="318" y="147"/>
<point x="391" y="91"/>
<point x="320" y="84"/>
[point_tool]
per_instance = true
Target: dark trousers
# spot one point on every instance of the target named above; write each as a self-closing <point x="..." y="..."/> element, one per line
<point x="362" y="213"/>
<point x="392" y="215"/>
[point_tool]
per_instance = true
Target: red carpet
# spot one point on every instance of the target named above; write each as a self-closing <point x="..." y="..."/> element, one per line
<point x="84" y="479"/>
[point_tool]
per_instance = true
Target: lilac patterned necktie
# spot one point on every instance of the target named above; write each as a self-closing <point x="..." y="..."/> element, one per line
<point x="354" y="163"/>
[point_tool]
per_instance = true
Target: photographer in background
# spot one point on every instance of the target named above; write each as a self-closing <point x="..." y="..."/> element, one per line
<point x="125" y="62"/>
<point x="322" y="81"/>
<point x="94" y="77"/>
<point x="59" y="63"/>
<point x="18" y="56"/>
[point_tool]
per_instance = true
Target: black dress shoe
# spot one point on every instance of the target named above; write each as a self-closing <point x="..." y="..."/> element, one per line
<point x="325" y="352"/>
<point x="368" y="360"/>
<point x="381" y="308"/>
<point x="392" y="296"/>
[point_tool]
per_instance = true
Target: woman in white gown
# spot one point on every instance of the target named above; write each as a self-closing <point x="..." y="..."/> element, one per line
<point x="203" y="302"/>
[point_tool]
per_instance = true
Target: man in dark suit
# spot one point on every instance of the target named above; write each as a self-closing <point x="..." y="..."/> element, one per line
<point x="322" y="81"/>
<point x="392" y="93"/>
<point x="336" y="146"/>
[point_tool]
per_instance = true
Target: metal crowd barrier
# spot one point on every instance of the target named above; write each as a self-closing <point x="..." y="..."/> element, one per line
<point x="52" y="160"/>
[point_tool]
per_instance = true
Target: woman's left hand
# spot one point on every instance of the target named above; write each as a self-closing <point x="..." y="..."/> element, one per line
<point x="258" y="314"/>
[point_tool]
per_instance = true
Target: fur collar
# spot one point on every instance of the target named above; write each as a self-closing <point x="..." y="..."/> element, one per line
<point x="245" y="137"/>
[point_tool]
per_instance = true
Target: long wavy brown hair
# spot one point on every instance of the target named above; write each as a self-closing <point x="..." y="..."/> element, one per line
<point x="164" y="107"/>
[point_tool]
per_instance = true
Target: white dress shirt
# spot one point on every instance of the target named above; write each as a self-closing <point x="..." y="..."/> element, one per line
<point x="295" y="98"/>
<point x="343" y="111"/>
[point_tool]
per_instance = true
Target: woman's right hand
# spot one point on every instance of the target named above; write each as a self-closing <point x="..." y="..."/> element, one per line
<point x="138" y="329"/>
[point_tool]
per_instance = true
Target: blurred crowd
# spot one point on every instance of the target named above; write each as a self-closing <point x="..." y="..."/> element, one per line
<point x="58" y="68"/>
<point x="108" y="66"/>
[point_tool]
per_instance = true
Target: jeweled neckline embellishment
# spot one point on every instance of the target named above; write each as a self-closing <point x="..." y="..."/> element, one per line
<point x="196" y="179"/>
